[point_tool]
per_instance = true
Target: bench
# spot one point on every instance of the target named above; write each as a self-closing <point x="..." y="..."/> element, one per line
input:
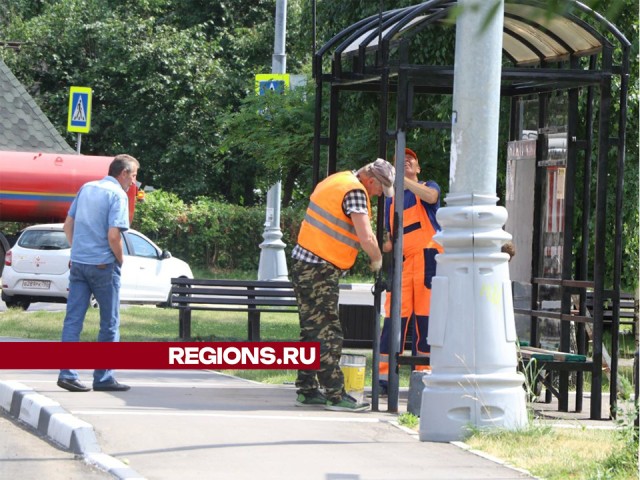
<point x="251" y="296"/>
<point x="554" y="299"/>
<point x="543" y="363"/>
<point x="257" y="296"/>
<point x="628" y="310"/>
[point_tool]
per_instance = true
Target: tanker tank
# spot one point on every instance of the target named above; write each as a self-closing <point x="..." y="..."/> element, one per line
<point x="39" y="187"/>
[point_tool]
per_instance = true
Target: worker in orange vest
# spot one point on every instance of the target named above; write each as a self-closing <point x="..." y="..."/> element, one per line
<point x="336" y="226"/>
<point x="421" y="202"/>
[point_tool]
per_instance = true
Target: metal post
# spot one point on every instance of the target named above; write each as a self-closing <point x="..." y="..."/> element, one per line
<point x="279" y="58"/>
<point x="395" y="339"/>
<point x="472" y="328"/>
<point x="273" y="264"/>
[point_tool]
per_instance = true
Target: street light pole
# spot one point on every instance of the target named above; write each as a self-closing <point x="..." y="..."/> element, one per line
<point x="273" y="264"/>
<point x="472" y="328"/>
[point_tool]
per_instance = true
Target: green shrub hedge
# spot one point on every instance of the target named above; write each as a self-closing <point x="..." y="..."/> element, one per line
<point x="216" y="236"/>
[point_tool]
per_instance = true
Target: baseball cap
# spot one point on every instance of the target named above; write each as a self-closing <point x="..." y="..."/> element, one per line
<point x="385" y="173"/>
<point x="408" y="151"/>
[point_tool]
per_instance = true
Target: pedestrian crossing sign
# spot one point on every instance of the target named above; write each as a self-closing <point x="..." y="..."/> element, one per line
<point x="79" y="110"/>
<point x="271" y="82"/>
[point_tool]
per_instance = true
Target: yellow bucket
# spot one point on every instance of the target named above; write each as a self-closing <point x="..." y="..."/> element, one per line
<point x="353" y="367"/>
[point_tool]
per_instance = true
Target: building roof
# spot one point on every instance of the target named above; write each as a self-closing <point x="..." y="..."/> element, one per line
<point x="23" y="125"/>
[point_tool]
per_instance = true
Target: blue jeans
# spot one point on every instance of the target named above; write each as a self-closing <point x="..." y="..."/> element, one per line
<point x="104" y="282"/>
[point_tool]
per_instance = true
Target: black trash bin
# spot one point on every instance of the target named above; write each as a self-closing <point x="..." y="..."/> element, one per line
<point x="357" y="325"/>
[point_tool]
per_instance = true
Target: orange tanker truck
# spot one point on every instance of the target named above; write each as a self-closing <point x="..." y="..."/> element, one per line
<point x="39" y="187"/>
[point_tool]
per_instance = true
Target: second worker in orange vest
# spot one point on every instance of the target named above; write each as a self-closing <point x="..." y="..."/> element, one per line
<point x="421" y="202"/>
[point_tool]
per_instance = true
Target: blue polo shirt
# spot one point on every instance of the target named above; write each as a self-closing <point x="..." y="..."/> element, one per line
<point x="98" y="206"/>
<point x="410" y="199"/>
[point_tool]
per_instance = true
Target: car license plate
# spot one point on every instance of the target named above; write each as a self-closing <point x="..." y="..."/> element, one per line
<point x="36" y="284"/>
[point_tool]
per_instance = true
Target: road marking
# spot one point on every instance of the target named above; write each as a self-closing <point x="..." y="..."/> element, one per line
<point x="230" y="415"/>
<point x="180" y="384"/>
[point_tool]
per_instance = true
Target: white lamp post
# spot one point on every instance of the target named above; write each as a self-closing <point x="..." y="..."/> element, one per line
<point x="273" y="263"/>
<point x="472" y="329"/>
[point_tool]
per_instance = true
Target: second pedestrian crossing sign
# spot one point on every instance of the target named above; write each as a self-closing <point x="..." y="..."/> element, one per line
<point x="79" y="110"/>
<point x="271" y="82"/>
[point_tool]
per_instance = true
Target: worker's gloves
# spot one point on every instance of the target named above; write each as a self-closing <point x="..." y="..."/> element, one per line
<point x="376" y="265"/>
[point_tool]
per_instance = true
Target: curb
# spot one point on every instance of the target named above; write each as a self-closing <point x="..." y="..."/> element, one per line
<point x="52" y="421"/>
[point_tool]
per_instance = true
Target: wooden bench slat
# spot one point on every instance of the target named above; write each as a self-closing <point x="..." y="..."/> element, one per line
<point x="223" y="292"/>
<point x="557" y="356"/>
<point x="537" y="356"/>
<point x="229" y="283"/>
<point x="237" y="309"/>
<point x="214" y="300"/>
<point x="233" y="301"/>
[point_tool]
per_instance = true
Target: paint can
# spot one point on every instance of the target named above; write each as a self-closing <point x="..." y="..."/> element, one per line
<point x="353" y="367"/>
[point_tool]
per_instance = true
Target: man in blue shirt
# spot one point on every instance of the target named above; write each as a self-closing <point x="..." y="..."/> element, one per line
<point x="98" y="215"/>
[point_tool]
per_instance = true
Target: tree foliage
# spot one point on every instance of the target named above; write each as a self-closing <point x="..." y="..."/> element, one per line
<point x="276" y="131"/>
<point x="173" y="84"/>
<point x="162" y="75"/>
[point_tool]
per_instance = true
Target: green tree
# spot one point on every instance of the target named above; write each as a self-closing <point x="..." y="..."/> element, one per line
<point x="163" y="73"/>
<point x="275" y="132"/>
<point x="173" y="85"/>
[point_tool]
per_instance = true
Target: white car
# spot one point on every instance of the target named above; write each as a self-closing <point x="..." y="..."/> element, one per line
<point x="36" y="268"/>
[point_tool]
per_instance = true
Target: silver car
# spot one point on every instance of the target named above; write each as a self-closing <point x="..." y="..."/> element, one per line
<point x="37" y="268"/>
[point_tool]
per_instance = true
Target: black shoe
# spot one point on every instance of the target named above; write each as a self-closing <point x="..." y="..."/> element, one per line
<point x="111" y="387"/>
<point x="73" y="385"/>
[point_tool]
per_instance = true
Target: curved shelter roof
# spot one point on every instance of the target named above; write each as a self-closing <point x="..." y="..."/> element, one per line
<point x="533" y="37"/>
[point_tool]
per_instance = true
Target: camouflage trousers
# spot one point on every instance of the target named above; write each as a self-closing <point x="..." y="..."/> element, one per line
<point x="317" y="291"/>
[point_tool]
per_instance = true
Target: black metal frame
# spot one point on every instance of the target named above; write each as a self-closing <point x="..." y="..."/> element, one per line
<point x="373" y="68"/>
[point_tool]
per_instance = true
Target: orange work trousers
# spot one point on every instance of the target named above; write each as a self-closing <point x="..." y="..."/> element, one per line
<point x="417" y="271"/>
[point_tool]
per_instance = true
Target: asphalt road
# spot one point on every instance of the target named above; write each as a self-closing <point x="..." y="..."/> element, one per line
<point x="26" y="455"/>
<point x="50" y="307"/>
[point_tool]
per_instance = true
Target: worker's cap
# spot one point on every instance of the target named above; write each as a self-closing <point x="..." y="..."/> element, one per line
<point x="409" y="152"/>
<point x="384" y="172"/>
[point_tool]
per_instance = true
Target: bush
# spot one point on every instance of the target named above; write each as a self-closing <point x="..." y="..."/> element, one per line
<point x="216" y="236"/>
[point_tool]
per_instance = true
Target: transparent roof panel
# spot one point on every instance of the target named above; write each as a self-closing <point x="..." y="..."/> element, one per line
<point x="579" y="40"/>
<point x="544" y="43"/>
<point x="522" y="54"/>
<point x="353" y="46"/>
<point x="531" y="35"/>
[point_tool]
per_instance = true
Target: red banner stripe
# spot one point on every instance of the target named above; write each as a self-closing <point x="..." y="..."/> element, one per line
<point x="160" y="355"/>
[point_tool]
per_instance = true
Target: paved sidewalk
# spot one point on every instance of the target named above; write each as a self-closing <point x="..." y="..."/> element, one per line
<point x="203" y="424"/>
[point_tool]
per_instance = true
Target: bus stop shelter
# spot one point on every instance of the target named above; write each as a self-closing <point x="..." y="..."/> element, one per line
<point x="565" y="80"/>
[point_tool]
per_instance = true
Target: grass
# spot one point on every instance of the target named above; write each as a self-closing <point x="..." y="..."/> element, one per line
<point x="142" y="324"/>
<point x="564" y="453"/>
<point x="409" y="420"/>
<point x="251" y="275"/>
<point x="626" y="341"/>
<point x="548" y="453"/>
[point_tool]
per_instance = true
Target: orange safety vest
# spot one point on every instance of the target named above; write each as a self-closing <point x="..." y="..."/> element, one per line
<point x="326" y="231"/>
<point x="418" y="230"/>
